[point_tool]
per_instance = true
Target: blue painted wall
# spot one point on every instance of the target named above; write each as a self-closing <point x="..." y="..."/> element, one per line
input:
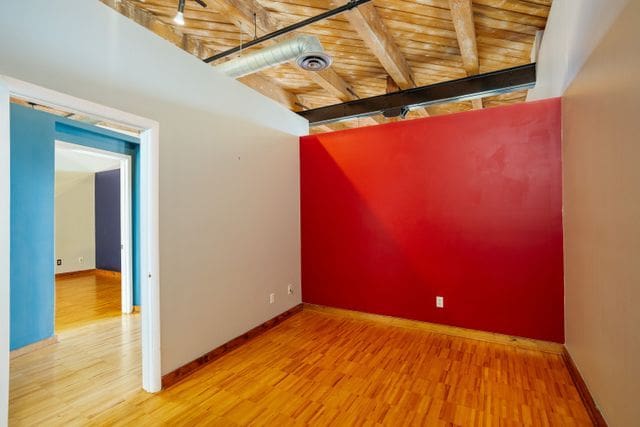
<point x="32" y="244"/>
<point x="33" y="136"/>
<point x="107" y="203"/>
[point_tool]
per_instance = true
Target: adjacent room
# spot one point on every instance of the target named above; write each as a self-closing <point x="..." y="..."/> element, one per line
<point x="319" y="212"/>
<point x="87" y="236"/>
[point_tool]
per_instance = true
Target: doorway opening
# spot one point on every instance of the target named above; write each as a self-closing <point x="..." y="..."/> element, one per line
<point x="93" y="235"/>
<point x="65" y="203"/>
<point x="148" y="336"/>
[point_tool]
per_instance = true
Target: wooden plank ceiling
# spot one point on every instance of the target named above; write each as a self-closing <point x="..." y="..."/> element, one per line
<point x="379" y="47"/>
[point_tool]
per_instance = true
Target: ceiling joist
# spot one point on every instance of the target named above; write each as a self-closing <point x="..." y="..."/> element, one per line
<point x="366" y="21"/>
<point x="462" y="16"/>
<point x="369" y="26"/>
<point x="270" y="89"/>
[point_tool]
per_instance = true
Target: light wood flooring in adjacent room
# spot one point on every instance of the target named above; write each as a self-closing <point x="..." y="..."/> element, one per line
<point x="313" y="369"/>
<point x="86" y="298"/>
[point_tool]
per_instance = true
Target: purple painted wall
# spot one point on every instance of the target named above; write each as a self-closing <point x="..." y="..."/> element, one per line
<point x="108" y="220"/>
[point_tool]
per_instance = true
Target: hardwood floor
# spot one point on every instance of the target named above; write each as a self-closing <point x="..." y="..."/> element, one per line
<point x="95" y="364"/>
<point x="85" y="298"/>
<point x="313" y="369"/>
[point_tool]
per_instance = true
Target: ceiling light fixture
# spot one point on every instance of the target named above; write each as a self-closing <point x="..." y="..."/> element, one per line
<point x="179" y="19"/>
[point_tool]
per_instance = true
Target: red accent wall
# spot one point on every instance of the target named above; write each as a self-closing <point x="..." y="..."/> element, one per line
<point x="467" y="206"/>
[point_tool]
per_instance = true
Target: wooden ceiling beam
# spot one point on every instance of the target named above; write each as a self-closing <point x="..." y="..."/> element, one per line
<point x="422" y="112"/>
<point x="366" y="21"/>
<point x="197" y="48"/>
<point x="270" y="89"/>
<point x="241" y="14"/>
<point x="320" y="129"/>
<point x="333" y="83"/>
<point x="372" y="30"/>
<point x="462" y="16"/>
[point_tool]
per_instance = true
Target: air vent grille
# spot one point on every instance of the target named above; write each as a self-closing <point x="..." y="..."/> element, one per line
<point x="314" y="61"/>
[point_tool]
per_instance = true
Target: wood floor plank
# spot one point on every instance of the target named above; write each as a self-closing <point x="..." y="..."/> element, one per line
<point x="315" y="368"/>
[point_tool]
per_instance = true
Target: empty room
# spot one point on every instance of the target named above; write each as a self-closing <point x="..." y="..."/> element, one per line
<point x="319" y="212"/>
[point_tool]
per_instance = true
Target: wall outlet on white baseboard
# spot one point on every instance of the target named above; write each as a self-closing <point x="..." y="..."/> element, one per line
<point x="272" y="298"/>
<point x="290" y="290"/>
<point x="81" y="260"/>
<point x="440" y="302"/>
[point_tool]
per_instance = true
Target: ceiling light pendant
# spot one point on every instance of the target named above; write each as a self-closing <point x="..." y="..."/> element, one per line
<point x="179" y="19"/>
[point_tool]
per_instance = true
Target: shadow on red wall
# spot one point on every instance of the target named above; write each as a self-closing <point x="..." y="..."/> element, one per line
<point x="464" y="206"/>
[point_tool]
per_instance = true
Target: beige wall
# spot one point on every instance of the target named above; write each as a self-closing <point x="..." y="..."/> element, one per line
<point x="75" y="221"/>
<point x="601" y="117"/>
<point x="574" y="29"/>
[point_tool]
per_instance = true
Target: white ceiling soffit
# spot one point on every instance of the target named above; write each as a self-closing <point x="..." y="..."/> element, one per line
<point x="73" y="158"/>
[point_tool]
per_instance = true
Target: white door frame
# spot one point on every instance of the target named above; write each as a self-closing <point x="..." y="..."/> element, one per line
<point x="5" y="244"/>
<point x="126" y="229"/>
<point x="149" y="224"/>
<point x="126" y="235"/>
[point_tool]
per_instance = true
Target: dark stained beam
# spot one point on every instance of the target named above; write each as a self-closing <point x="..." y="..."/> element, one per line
<point x="495" y="82"/>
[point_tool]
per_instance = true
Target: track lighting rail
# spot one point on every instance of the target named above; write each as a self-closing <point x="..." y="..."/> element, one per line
<point x="348" y="6"/>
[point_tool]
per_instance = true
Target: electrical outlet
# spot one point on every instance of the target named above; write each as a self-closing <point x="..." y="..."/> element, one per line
<point x="290" y="290"/>
<point x="81" y="260"/>
<point x="440" y="302"/>
<point x="272" y="298"/>
<point x="59" y="262"/>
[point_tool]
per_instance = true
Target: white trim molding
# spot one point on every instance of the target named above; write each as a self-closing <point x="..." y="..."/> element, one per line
<point x="126" y="235"/>
<point x="5" y="244"/>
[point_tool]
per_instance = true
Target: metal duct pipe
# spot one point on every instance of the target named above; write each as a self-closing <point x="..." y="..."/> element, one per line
<point x="277" y="33"/>
<point x="306" y="50"/>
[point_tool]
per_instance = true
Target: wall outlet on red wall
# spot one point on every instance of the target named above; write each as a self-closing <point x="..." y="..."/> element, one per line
<point x="440" y="302"/>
